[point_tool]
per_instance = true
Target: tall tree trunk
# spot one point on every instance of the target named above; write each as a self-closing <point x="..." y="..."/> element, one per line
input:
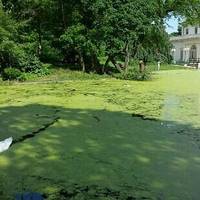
<point x="116" y="65"/>
<point x="39" y="48"/>
<point x="127" y="57"/>
<point x="82" y="63"/>
<point x="141" y="66"/>
<point x="40" y="45"/>
<point x="95" y="62"/>
<point x="63" y="13"/>
<point x="105" y="65"/>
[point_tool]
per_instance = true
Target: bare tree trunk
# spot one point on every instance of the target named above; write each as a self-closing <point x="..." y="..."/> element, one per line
<point x="120" y="67"/>
<point x="141" y="66"/>
<point x="135" y="49"/>
<point x="94" y="61"/>
<point x="116" y="65"/>
<point x="39" y="42"/>
<point x="105" y="65"/>
<point x="39" y="32"/>
<point x="82" y="63"/>
<point x="63" y="13"/>
<point x="127" y="58"/>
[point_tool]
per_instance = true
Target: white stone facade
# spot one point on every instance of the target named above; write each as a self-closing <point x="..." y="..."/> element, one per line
<point x="186" y="48"/>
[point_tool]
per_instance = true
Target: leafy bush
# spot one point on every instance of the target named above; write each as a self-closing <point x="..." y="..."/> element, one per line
<point x="49" y="53"/>
<point x="11" y="74"/>
<point x="135" y="74"/>
<point x="30" y="63"/>
<point x="43" y="70"/>
<point x="14" y="56"/>
<point x="23" y="77"/>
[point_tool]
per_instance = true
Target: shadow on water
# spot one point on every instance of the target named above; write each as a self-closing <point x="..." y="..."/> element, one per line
<point x="97" y="154"/>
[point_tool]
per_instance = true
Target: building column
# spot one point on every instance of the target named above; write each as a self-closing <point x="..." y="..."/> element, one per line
<point x="173" y="54"/>
<point x="198" y="51"/>
<point x="186" y="52"/>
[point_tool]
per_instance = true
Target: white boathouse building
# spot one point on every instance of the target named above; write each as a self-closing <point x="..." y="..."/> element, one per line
<point x="186" y="47"/>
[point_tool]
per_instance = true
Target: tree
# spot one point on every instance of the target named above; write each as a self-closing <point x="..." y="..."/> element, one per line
<point x="7" y="32"/>
<point x="75" y="38"/>
<point x="14" y="53"/>
<point x="191" y="12"/>
<point x="178" y="32"/>
<point x="124" y="26"/>
<point x="155" y="45"/>
<point x="48" y="30"/>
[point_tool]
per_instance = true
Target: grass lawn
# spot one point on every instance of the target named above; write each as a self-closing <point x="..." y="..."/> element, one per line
<point x="103" y="138"/>
<point x="154" y="67"/>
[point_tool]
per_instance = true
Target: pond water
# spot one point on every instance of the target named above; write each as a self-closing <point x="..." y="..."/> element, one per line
<point x="111" y="139"/>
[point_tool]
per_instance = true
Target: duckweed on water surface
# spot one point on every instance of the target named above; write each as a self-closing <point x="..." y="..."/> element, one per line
<point x="113" y="139"/>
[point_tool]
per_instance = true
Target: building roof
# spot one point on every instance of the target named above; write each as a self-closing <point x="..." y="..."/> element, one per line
<point x="184" y="37"/>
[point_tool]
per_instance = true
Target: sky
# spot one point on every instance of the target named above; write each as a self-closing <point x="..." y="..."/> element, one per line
<point x="172" y="25"/>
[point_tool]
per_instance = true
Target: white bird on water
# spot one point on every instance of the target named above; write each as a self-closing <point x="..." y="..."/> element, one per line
<point x="5" y="144"/>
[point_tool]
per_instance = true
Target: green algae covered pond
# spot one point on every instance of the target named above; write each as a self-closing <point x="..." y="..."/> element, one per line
<point x="103" y="139"/>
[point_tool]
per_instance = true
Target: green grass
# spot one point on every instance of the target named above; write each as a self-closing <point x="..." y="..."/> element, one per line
<point x="153" y="67"/>
<point x="97" y="150"/>
<point x="60" y="74"/>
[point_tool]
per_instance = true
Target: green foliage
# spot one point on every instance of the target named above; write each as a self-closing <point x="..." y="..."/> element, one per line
<point x="155" y="46"/>
<point x="7" y="32"/>
<point x="78" y="32"/>
<point x="23" y="77"/>
<point x="14" y="55"/>
<point x="30" y="63"/>
<point x="190" y="9"/>
<point x="74" y="37"/>
<point x="41" y="71"/>
<point x="135" y="74"/>
<point x="12" y="52"/>
<point x="178" y="32"/>
<point x="16" y="74"/>
<point x="11" y="74"/>
<point x="128" y="21"/>
<point x="50" y="53"/>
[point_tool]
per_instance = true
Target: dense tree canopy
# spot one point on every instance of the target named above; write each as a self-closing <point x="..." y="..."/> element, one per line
<point x="80" y="32"/>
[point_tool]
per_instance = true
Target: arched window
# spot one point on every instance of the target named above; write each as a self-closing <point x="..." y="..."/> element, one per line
<point x="193" y="52"/>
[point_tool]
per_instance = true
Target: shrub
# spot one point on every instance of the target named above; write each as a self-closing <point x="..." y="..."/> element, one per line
<point x="42" y="71"/>
<point x="30" y="63"/>
<point x="14" y="56"/>
<point x="23" y="77"/>
<point x="11" y="74"/>
<point x="135" y="74"/>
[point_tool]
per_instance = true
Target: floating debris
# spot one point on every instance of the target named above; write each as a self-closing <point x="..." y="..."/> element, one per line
<point x="5" y="144"/>
<point x="29" y="196"/>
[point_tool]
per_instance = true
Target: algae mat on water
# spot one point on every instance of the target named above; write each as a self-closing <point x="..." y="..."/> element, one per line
<point x="103" y="139"/>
